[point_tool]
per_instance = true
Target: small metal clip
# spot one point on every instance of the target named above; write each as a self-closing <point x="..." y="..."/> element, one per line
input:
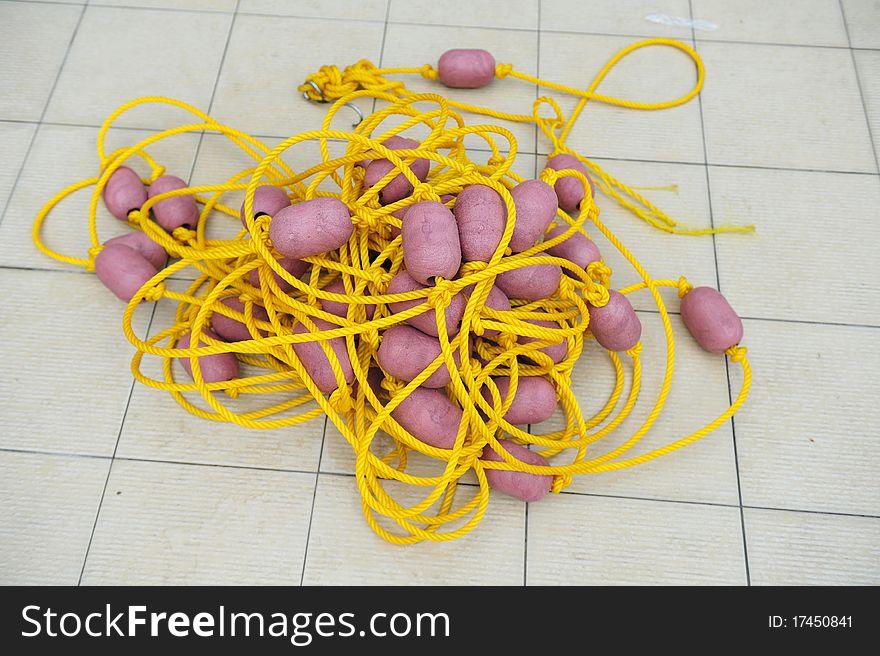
<point x="323" y="100"/>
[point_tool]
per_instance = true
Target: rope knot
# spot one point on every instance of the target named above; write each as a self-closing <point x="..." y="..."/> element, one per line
<point x="468" y="268"/>
<point x="391" y="385"/>
<point x="560" y="482"/>
<point x="428" y="72"/>
<point x="155" y="293"/>
<point x="371" y="339"/>
<point x="184" y="234"/>
<point x="424" y="191"/>
<point x="507" y="342"/>
<point x="378" y="276"/>
<point x="367" y="218"/>
<point x="261" y="223"/>
<point x="684" y="287"/>
<point x="232" y="392"/>
<point x="503" y="70"/>
<point x="496" y="161"/>
<point x="597" y="296"/>
<point x="635" y="351"/>
<point x="440" y="296"/>
<point x="135" y="217"/>
<point x="600" y="272"/>
<point x="736" y="353"/>
<point x="549" y="176"/>
<point x="340" y="399"/>
<point x="469" y="170"/>
<point x="94" y="250"/>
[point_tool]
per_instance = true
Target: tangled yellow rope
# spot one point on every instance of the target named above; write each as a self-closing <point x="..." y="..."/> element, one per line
<point x="365" y="265"/>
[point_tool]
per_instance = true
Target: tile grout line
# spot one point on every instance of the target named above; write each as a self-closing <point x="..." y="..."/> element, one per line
<point x="302" y="576"/>
<point x="855" y="64"/>
<point x="625" y="497"/>
<point x="382" y="46"/>
<point x="214" y="90"/>
<point x="742" y="517"/>
<point x="149" y="327"/>
<point x="112" y="460"/>
<point x="33" y="140"/>
<point x="486" y="150"/>
<point x="318" y="472"/>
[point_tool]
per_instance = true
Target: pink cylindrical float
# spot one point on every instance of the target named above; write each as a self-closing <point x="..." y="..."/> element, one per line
<point x="531" y="282"/>
<point x="427" y="320"/>
<point x="481" y="216"/>
<point x="466" y="68"/>
<point x="406" y="352"/>
<point x="123" y="270"/>
<point x="315" y="360"/>
<point x="232" y="330"/>
<point x="176" y="212"/>
<point x="215" y="368"/>
<point x="428" y="415"/>
<point x="534" y="402"/>
<point x="140" y="242"/>
<point x="536" y="207"/>
<point x="399" y="187"/>
<point x="268" y="200"/>
<point x="520" y="485"/>
<point x="569" y="190"/>
<point x="430" y="242"/>
<point x="578" y="248"/>
<point x="616" y="325"/>
<point x="311" y="227"/>
<point x="124" y="192"/>
<point x="710" y="319"/>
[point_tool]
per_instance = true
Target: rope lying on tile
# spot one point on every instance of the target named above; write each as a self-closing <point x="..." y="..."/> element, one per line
<point x="281" y="310"/>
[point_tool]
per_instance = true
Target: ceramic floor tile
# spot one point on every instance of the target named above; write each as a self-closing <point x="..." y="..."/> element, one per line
<point x="806" y="437"/>
<point x="22" y="25"/>
<point x="776" y="272"/>
<point x="813" y="22"/>
<point x="62" y="155"/>
<point x="157" y="428"/>
<point x="599" y="541"/>
<point x="762" y="107"/>
<point x="868" y="65"/>
<point x="110" y="63"/>
<point x="652" y="74"/>
<point x="70" y="382"/>
<point x="193" y="5"/>
<point x="257" y="88"/>
<point x="416" y="45"/>
<point x="16" y="138"/>
<point x="790" y="548"/>
<point x="157" y="519"/>
<point x="862" y="18"/>
<point x="344" y="550"/>
<point x="680" y="191"/>
<point x="611" y="17"/>
<point x="518" y="14"/>
<point x="704" y="471"/>
<point x="373" y="10"/>
<point x="46" y="515"/>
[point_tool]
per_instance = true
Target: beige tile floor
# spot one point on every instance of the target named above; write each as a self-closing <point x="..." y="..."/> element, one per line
<point x="105" y="481"/>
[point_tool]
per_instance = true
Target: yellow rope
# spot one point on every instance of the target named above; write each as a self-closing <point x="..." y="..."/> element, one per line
<point x="366" y="264"/>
